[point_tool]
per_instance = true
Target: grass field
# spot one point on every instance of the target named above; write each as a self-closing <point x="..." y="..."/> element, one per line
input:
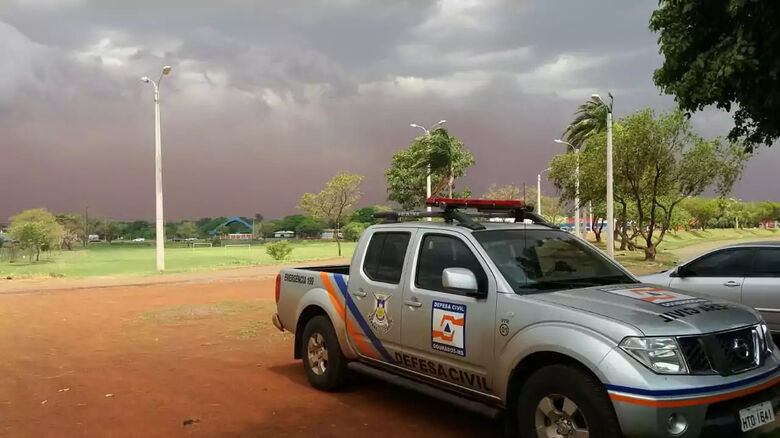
<point x="124" y="259"/>
<point x="135" y="260"/>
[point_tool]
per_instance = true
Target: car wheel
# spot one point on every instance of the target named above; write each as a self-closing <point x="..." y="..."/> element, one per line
<point x="323" y="361"/>
<point x="564" y="401"/>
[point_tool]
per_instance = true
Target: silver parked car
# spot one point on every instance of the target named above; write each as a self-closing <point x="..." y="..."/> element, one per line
<point x="747" y="273"/>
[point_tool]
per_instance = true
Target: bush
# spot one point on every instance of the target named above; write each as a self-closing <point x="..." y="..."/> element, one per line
<point x="279" y="250"/>
<point x="353" y="230"/>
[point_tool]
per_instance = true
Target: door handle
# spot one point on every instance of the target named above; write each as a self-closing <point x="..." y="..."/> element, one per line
<point x="413" y="303"/>
<point x="359" y="293"/>
<point x="731" y="283"/>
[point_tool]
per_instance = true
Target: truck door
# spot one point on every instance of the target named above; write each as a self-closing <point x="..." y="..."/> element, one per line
<point x="446" y="334"/>
<point x="375" y="285"/>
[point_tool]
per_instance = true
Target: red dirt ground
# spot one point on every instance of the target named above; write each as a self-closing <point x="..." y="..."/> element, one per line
<point x="170" y="354"/>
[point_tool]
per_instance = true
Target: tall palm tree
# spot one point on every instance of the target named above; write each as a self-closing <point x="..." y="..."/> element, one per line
<point x="590" y="118"/>
<point x="440" y="153"/>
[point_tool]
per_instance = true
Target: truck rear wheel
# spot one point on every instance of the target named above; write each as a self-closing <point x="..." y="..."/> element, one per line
<point x="323" y="361"/>
<point x="564" y="401"/>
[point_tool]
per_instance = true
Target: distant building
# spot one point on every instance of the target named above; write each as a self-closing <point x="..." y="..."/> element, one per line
<point x="284" y="234"/>
<point x="236" y="236"/>
<point x="330" y="234"/>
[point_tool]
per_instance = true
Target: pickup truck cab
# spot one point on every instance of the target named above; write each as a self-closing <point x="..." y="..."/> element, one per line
<point x="537" y="323"/>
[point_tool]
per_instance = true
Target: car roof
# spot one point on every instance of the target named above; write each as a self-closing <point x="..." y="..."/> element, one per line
<point x="455" y="225"/>
<point x="770" y="243"/>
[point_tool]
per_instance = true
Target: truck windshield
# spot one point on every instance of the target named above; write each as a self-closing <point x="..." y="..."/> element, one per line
<point x="547" y="260"/>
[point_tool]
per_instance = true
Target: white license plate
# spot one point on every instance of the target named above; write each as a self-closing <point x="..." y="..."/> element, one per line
<point x="756" y="415"/>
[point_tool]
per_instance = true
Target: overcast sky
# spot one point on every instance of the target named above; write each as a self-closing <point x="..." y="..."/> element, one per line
<point x="268" y="100"/>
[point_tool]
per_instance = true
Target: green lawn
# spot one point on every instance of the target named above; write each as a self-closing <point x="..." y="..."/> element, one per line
<point x="129" y="259"/>
<point x="139" y="259"/>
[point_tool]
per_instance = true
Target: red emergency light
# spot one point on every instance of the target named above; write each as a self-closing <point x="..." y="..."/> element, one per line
<point x="475" y="203"/>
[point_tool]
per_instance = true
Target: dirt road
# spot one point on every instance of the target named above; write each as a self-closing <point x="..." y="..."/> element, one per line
<point x="184" y="359"/>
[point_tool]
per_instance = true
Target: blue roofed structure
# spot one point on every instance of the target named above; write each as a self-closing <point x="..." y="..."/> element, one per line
<point x="230" y="221"/>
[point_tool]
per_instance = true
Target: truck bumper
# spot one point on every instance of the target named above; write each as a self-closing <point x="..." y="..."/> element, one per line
<point x="277" y="322"/>
<point x="716" y="416"/>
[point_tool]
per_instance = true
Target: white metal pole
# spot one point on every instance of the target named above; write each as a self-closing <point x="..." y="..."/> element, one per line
<point x="577" y="194"/>
<point x="160" y="235"/>
<point x="539" y="194"/>
<point x="610" y="205"/>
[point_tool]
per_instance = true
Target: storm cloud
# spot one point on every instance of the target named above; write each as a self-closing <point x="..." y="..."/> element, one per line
<point x="268" y="100"/>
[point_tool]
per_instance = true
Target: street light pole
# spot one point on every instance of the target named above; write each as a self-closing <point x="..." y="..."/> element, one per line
<point x="576" y="186"/>
<point x="160" y="224"/>
<point x="428" y="177"/>
<point x="539" y="191"/>
<point x="610" y="194"/>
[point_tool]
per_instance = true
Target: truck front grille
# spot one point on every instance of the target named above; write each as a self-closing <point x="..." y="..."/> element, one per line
<point x="723" y="353"/>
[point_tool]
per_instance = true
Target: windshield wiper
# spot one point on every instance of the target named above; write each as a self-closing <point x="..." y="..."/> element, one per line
<point x="577" y="282"/>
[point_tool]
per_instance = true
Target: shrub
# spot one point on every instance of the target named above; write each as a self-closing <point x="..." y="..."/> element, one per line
<point x="353" y="230"/>
<point x="279" y="250"/>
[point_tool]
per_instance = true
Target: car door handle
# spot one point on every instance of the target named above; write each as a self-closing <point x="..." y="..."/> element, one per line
<point x="413" y="303"/>
<point x="731" y="283"/>
<point x="359" y="293"/>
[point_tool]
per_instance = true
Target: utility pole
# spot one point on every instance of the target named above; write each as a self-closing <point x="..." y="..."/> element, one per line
<point x="86" y="226"/>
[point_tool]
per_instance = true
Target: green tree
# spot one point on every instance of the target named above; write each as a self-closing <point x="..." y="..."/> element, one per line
<point x="409" y="168"/>
<point x="267" y="229"/>
<point x="72" y="229"/>
<point x="353" y="230"/>
<point x="186" y="230"/>
<point x="724" y="53"/>
<point x="37" y="230"/>
<point x="659" y="162"/>
<point x="366" y="214"/>
<point x="290" y="223"/>
<point x="702" y="210"/>
<point x="334" y="201"/>
<point x="309" y="227"/>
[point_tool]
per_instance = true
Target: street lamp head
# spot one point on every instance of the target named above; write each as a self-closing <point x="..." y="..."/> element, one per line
<point x="559" y="141"/>
<point x="146" y="79"/>
<point x="166" y="69"/>
<point x="441" y="121"/>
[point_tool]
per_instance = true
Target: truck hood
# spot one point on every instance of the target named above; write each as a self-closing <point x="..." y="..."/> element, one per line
<point x="654" y="310"/>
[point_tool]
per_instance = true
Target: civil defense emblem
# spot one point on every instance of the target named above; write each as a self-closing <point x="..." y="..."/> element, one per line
<point x="379" y="318"/>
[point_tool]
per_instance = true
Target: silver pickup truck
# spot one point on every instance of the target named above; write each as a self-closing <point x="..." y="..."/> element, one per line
<point x="537" y="324"/>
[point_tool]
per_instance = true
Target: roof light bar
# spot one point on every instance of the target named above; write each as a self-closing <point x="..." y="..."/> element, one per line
<point x="476" y="203"/>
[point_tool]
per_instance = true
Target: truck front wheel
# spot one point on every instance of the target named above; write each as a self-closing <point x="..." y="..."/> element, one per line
<point x="323" y="361"/>
<point x="564" y="401"/>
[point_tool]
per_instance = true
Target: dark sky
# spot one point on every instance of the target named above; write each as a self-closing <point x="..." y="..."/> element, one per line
<point x="268" y="100"/>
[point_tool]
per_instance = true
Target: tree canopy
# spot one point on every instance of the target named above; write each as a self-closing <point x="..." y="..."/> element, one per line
<point x="724" y="53"/>
<point x="37" y="230"/>
<point x="334" y="202"/>
<point x="406" y="177"/>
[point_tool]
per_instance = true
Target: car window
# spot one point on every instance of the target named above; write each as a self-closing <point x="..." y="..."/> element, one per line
<point x="439" y="252"/>
<point x="547" y="260"/>
<point x="734" y="262"/>
<point x="767" y="263"/>
<point x="385" y="256"/>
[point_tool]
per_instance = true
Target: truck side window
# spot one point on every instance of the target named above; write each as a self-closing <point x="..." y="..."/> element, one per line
<point x="385" y="256"/>
<point x="439" y="252"/>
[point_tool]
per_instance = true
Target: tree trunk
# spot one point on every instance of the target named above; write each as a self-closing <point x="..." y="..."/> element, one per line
<point x="650" y="252"/>
<point x="596" y="230"/>
<point x="338" y="241"/>
<point x="38" y="255"/>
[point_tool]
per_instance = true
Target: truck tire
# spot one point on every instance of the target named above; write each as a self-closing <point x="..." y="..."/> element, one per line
<point x="559" y="400"/>
<point x="323" y="361"/>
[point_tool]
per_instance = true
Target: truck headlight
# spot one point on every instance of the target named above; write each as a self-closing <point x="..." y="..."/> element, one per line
<point x="662" y="355"/>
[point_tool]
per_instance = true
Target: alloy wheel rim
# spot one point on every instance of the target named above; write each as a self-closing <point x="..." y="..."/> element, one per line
<point x="557" y="416"/>
<point x="317" y="353"/>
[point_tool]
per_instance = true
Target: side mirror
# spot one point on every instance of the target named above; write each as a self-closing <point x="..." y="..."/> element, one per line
<point x="678" y="272"/>
<point x="461" y="280"/>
